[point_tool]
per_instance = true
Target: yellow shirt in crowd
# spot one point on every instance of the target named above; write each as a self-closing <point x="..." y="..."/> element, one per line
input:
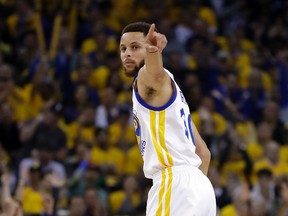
<point x="113" y="156"/>
<point x="32" y="201"/>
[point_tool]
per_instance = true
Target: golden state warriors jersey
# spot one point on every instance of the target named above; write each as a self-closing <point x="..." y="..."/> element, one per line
<point x="164" y="134"/>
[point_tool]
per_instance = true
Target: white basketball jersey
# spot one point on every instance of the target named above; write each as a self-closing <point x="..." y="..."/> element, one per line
<point x="164" y="134"/>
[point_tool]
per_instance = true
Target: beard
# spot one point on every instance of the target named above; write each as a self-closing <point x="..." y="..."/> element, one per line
<point x="135" y="70"/>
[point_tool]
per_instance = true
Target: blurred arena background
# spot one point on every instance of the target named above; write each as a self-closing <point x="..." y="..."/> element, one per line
<point x="66" y="127"/>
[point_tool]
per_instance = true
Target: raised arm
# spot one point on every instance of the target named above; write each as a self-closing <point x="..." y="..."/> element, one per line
<point x="153" y="82"/>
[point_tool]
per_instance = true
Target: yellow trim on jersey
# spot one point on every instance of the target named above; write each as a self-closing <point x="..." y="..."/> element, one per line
<point x="154" y="138"/>
<point x="162" y="137"/>
<point x="158" y="137"/>
<point x="168" y="195"/>
<point x="165" y="192"/>
<point x="161" y="193"/>
<point x="157" y="127"/>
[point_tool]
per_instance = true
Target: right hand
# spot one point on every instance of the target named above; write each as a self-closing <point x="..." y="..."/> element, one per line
<point x="155" y="41"/>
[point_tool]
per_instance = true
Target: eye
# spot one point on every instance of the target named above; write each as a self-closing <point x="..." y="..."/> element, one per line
<point x="123" y="49"/>
<point x="134" y="47"/>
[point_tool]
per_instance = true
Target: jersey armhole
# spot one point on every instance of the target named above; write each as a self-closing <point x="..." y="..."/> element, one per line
<point x="143" y="103"/>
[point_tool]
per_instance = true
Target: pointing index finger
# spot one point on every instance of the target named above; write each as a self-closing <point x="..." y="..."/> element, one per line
<point x="151" y="31"/>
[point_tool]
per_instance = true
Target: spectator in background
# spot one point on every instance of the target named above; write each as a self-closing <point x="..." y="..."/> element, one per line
<point x="77" y="206"/>
<point x="200" y="50"/>
<point x="107" y="112"/>
<point x="81" y="130"/>
<point x="97" y="46"/>
<point x="10" y="134"/>
<point x="44" y="158"/>
<point x="105" y="72"/>
<point x="271" y="116"/>
<point x="239" y="205"/>
<point x="264" y="135"/>
<point x="281" y="82"/>
<point x="228" y="97"/>
<point x="121" y="132"/>
<point x="94" y="204"/>
<point x="125" y="200"/>
<point x="233" y="50"/>
<point x="11" y="93"/>
<point x="65" y="62"/>
<point x="133" y="162"/>
<point x="109" y="158"/>
<point x="209" y="123"/>
<point x="271" y="161"/>
<point x="27" y="51"/>
<point x="192" y="88"/>
<point x="40" y="187"/>
<point x="44" y="131"/>
<point x="85" y="74"/>
<point x="82" y="99"/>
<point x="254" y="97"/>
<point x="9" y="206"/>
<point x="176" y="61"/>
<point x="42" y="89"/>
<point x="281" y="195"/>
<point x="116" y="78"/>
<point x="223" y="197"/>
<point x="30" y="194"/>
<point x="21" y="21"/>
<point x="263" y="193"/>
<point x="233" y="157"/>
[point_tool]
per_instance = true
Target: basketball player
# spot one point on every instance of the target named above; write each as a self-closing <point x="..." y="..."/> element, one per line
<point x="174" y="154"/>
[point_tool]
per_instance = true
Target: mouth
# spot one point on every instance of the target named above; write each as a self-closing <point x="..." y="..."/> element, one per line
<point x="129" y="63"/>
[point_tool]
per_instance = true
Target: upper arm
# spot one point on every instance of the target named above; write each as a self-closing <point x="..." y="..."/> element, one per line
<point x="155" y="89"/>
<point x="153" y="79"/>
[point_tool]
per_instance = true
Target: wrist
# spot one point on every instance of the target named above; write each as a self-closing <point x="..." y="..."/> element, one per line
<point x="152" y="51"/>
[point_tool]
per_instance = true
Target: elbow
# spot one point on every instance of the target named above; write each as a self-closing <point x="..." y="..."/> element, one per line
<point x="203" y="152"/>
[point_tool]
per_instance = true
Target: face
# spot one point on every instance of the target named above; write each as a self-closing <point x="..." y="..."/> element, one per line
<point x="91" y="197"/>
<point x="132" y="49"/>
<point x="5" y="77"/>
<point x="77" y="206"/>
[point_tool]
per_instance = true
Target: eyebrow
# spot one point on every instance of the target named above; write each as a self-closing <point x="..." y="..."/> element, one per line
<point x="133" y="43"/>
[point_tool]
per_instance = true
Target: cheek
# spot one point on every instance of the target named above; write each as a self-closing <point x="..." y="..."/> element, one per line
<point x="140" y="56"/>
<point x="122" y="57"/>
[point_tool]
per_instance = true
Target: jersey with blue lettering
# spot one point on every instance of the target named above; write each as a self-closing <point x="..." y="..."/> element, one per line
<point x="164" y="134"/>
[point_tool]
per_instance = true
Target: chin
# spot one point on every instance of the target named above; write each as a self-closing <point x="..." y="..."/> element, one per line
<point x="130" y="73"/>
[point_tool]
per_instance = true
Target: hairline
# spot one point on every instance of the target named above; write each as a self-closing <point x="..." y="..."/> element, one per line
<point x="141" y="27"/>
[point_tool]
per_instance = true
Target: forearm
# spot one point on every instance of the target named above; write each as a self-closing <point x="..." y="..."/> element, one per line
<point x="154" y="64"/>
<point x="205" y="156"/>
<point x="201" y="150"/>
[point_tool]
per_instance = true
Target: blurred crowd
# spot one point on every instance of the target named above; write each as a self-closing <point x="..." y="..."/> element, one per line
<point x="67" y="142"/>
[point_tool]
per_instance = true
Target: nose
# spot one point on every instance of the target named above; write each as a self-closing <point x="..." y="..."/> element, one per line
<point x="127" y="52"/>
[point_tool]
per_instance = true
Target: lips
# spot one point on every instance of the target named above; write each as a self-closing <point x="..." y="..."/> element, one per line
<point x="129" y="62"/>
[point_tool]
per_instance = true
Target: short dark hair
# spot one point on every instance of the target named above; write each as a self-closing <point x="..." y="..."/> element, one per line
<point x="264" y="173"/>
<point x="138" y="27"/>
